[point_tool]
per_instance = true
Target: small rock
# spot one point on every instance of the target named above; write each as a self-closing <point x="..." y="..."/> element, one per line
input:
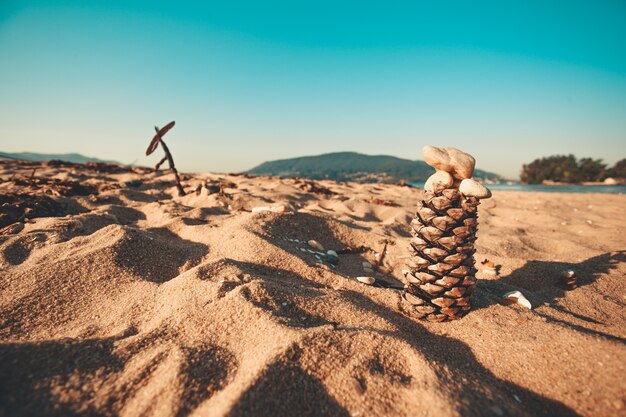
<point x="273" y="209"/>
<point x="315" y="245"/>
<point x="366" y="280"/>
<point x="517" y="297"/>
<point x="332" y="257"/>
<point x="472" y="188"/>
<point x="437" y="158"/>
<point x="367" y="265"/>
<point x="440" y="180"/>
<point x="462" y="163"/>
<point x="568" y="273"/>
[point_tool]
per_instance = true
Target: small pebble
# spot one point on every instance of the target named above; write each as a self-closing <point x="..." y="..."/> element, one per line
<point x="367" y="265"/>
<point x="274" y="209"/>
<point x="332" y="257"/>
<point x="315" y="245"/>
<point x="366" y="280"/>
<point x="517" y="297"/>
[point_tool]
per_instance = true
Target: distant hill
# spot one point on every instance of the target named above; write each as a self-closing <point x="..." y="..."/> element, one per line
<point x="68" y="157"/>
<point x="352" y="166"/>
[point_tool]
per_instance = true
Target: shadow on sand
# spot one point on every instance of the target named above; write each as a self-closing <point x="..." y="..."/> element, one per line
<point x="538" y="280"/>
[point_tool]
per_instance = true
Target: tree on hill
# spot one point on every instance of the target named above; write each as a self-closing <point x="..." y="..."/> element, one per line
<point x="618" y="170"/>
<point x="562" y="168"/>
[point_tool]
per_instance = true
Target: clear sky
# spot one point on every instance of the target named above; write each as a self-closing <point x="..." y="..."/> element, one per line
<point x="246" y="82"/>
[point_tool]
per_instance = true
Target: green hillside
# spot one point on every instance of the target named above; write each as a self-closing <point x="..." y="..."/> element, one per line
<point x="67" y="157"/>
<point x="352" y="166"/>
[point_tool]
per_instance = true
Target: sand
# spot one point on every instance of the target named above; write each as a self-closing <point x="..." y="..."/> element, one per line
<point x="120" y="298"/>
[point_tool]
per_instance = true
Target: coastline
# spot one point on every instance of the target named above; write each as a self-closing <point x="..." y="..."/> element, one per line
<point x="130" y="291"/>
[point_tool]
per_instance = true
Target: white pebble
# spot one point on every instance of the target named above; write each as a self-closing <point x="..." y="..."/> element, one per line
<point x="366" y="280"/>
<point x="316" y="245"/>
<point x="519" y="298"/>
<point x="273" y="209"/>
<point x="472" y="188"/>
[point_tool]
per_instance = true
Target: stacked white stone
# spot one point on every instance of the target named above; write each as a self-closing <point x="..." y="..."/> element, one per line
<point x="441" y="274"/>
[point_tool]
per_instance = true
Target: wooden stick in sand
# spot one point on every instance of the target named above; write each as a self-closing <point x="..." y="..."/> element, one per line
<point x="158" y="139"/>
<point x="441" y="274"/>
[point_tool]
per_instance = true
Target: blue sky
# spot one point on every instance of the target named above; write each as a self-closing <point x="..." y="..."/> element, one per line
<point x="248" y="82"/>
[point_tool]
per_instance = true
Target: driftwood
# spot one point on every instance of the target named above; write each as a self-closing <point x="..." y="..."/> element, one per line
<point x="158" y="139"/>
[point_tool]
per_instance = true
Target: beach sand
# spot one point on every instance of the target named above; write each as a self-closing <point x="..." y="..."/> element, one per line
<point x="120" y="298"/>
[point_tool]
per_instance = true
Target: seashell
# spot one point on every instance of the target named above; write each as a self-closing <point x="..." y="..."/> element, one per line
<point x="455" y="292"/>
<point x="460" y="271"/>
<point x="517" y="297"/>
<point x="455" y="259"/>
<point x="449" y="311"/>
<point x="472" y="188"/>
<point x="316" y="245"/>
<point x="431" y="289"/>
<point x="442" y="301"/>
<point x="426" y="213"/>
<point x="440" y="203"/>
<point x="451" y="194"/>
<point x="440" y="180"/>
<point x="430" y="233"/>
<point x="442" y="222"/>
<point x="425" y="309"/>
<point x="413" y="299"/>
<point x="456" y="213"/>
<point x="448" y="242"/>
<point x="568" y="279"/>
<point x="440" y="268"/>
<point x="425" y="277"/>
<point x="447" y="282"/>
<point x="366" y="280"/>
<point x="435" y="253"/>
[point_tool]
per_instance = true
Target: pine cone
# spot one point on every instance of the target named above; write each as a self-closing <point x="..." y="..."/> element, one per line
<point x="441" y="275"/>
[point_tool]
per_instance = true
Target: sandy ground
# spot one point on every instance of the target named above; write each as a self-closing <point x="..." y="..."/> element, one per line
<point x="120" y="298"/>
